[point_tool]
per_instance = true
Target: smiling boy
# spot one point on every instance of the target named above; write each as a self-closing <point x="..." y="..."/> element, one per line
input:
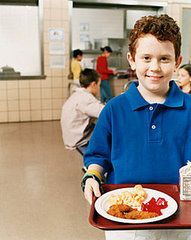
<point x="143" y="135"/>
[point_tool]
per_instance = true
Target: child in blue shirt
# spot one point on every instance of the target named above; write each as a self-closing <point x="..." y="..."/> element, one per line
<point x="143" y="135"/>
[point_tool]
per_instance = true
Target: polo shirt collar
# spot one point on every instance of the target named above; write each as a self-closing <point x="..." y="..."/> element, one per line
<point x="174" y="99"/>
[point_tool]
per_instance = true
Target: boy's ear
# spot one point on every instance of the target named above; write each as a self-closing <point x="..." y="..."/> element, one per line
<point x="93" y="84"/>
<point x="178" y="62"/>
<point x="131" y="61"/>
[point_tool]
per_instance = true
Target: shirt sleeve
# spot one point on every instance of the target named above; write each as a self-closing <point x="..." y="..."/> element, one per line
<point x="99" y="147"/>
<point x="90" y="106"/>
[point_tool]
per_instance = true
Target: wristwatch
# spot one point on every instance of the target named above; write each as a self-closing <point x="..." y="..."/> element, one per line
<point x="86" y="176"/>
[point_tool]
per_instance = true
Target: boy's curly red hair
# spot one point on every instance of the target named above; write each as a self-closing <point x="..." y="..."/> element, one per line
<point x="163" y="27"/>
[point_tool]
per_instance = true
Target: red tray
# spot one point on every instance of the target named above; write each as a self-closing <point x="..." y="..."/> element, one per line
<point x="181" y="219"/>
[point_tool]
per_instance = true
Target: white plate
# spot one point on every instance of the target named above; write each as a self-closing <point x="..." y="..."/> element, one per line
<point x="102" y="205"/>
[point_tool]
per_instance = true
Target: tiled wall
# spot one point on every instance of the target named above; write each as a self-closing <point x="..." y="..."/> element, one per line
<point x="34" y="100"/>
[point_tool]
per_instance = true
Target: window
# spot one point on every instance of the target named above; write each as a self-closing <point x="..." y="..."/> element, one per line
<point x="21" y="39"/>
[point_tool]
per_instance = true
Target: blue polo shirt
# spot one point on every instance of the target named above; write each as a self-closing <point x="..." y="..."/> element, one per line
<point x="138" y="142"/>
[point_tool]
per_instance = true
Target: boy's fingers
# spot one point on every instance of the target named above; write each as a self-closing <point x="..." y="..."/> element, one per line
<point x="92" y="187"/>
<point x="96" y="189"/>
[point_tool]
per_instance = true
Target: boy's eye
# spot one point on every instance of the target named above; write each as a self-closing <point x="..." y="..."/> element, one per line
<point x="164" y="59"/>
<point x="147" y="58"/>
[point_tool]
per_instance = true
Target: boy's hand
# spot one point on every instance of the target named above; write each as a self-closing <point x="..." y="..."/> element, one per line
<point x="91" y="188"/>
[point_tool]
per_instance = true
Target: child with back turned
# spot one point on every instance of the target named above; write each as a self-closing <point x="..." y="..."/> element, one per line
<point x="80" y="111"/>
<point x="144" y="135"/>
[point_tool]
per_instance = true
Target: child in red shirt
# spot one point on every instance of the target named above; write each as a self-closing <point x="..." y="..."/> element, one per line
<point x="102" y="69"/>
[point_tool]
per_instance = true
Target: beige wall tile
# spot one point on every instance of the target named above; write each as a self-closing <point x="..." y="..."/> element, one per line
<point x="46" y="14"/>
<point x="12" y="84"/>
<point x="57" y="93"/>
<point x="56" y="14"/>
<point x="47" y="115"/>
<point x="46" y="104"/>
<point x="46" y="83"/>
<point x="35" y="104"/>
<point x="35" y="93"/>
<point x="3" y="106"/>
<point x="47" y="72"/>
<point x="57" y="82"/>
<point x="3" y="95"/>
<point x="3" y="85"/>
<point x="35" y="83"/>
<point x="56" y="24"/>
<point x="45" y="37"/>
<point x="3" y="116"/>
<point x="36" y="115"/>
<point x="24" y="84"/>
<point x="25" y="116"/>
<point x="56" y="114"/>
<point x="24" y="93"/>
<point x="46" y="93"/>
<point x="46" y="25"/>
<point x="13" y="116"/>
<point x="56" y="4"/>
<point x="57" y="104"/>
<point x="46" y="3"/>
<point x="56" y="72"/>
<point x="13" y="105"/>
<point x="24" y="105"/>
<point x="65" y="15"/>
<point x="12" y="94"/>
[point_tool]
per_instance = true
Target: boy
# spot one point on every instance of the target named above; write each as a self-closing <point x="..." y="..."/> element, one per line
<point x="80" y="111"/>
<point x="144" y="135"/>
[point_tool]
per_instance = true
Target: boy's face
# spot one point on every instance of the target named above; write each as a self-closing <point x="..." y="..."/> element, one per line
<point x="154" y="63"/>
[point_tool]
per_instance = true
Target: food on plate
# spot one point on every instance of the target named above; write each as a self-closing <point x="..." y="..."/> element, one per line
<point x="155" y="205"/>
<point x="125" y="211"/>
<point x="132" y="198"/>
<point x="119" y="210"/>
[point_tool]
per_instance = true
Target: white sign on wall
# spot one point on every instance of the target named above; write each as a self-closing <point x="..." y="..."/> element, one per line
<point x="56" y="34"/>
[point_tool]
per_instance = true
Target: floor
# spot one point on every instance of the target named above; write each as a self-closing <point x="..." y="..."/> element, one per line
<point x="40" y="194"/>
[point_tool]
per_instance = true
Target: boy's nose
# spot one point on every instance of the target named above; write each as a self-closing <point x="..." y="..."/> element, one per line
<point x="155" y="66"/>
